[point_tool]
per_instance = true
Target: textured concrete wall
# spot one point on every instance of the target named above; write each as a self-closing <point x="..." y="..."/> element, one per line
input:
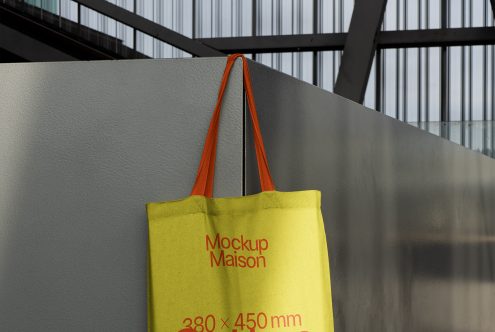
<point x="83" y="146"/>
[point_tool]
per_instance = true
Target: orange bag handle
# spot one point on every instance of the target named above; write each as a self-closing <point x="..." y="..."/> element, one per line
<point x="206" y="172"/>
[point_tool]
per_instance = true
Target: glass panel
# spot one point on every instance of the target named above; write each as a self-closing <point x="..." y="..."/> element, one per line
<point x="217" y="18"/>
<point x="410" y="84"/>
<point x="49" y="5"/>
<point x="475" y="135"/>
<point x="330" y="63"/>
<point x="173" y="14"/>
<point x="299" y="65"/>
<point x="68" y="10"/>
<point x="369" y="97"/>
<point x="471" y="83"/>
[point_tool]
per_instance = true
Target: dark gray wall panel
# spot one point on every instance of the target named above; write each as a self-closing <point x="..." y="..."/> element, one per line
<point x="83" y="146"/>
<point x="410" y="217"/>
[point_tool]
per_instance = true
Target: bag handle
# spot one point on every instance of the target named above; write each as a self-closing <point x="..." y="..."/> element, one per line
<point x="206" y="172"/>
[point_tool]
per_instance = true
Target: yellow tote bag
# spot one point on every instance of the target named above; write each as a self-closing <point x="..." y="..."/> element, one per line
<point x="252" y="263"/>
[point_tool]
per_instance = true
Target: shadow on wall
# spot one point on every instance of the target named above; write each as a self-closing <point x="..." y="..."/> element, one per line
<point x="79" y="158"/>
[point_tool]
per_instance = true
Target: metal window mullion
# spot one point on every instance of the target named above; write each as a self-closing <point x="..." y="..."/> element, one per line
<point x="155" y="17"/>
<point x="177" y="24"/>
<point x="240" y="31"/>
<point x="200" y="18"/>
<point x="279" y="31"/>
<point x="341" y="28"/>
<point x="463" y="83"/>
<point x="404" y="69"/>
<point x="193" y="15"/>
<point x="334" y="53"/>
<point x="485" y="67"/>
<point x="485" y="84"/>
<point x="294" y="31"/>
<point x="443" y="67"/>
<point x="378" y="70"/>
<point x="320" y="54"/>
<point x="384" y="83"/>
<point x="254" y="21"/>
<point x="397" y="66"/>
<point x="449" y="64"/>
<point x="293" y="10"/>
<point x="463" y="74"/>
<point x="174" y="24"/>
<point x="59" y="13"/>
<point x="299" y="28"/>
<point x="212" y="12"/>
<point x="470" y="99"/>
<point x="134" y="30"/>
<point x="238" y="28"/>
<point x="316" y="11"/>
<point x="427" y="68"/>
<point x="493" y="139"/>
<point x="381" y="76"/>
<point x="181" y="23"/>
<point x="220" y="18"/>
<point x="232" y="34"/>
<point x="273" y="19"/>
<point x="493" y="85"/>
<point x="420" y="50"/>
<point x="317" y="28"/>
<point x="79" y="13"/>
<point x="240" y="18"/>
<point x="383" y="53"/>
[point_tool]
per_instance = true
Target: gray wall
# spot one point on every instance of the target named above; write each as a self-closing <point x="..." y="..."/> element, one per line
<point x="83" y="147"/>
<point x="410" y="217"/>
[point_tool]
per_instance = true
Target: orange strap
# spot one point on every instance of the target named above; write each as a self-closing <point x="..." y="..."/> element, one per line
<point x="206" y="171"/>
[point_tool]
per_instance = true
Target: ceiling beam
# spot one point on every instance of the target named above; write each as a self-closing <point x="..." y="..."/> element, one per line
<point x="437" y="37"/>
<point x="336" y="41"/>
<point x="359" y="49"/>
<point x="275" y="44"/>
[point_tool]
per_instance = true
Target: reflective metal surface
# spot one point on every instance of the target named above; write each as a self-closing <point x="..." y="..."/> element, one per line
<point x="410" y="217"/>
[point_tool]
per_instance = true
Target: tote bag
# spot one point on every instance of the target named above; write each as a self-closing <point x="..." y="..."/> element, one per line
<point x="251" y="263"/>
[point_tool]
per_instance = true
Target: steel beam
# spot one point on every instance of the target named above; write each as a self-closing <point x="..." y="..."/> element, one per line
<point x="151" y="28"/>
<point x="437" y="37"/>
<point x="336" y="41"/>
<point x="275" y="44"/>
<point x="359" y="49"/>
